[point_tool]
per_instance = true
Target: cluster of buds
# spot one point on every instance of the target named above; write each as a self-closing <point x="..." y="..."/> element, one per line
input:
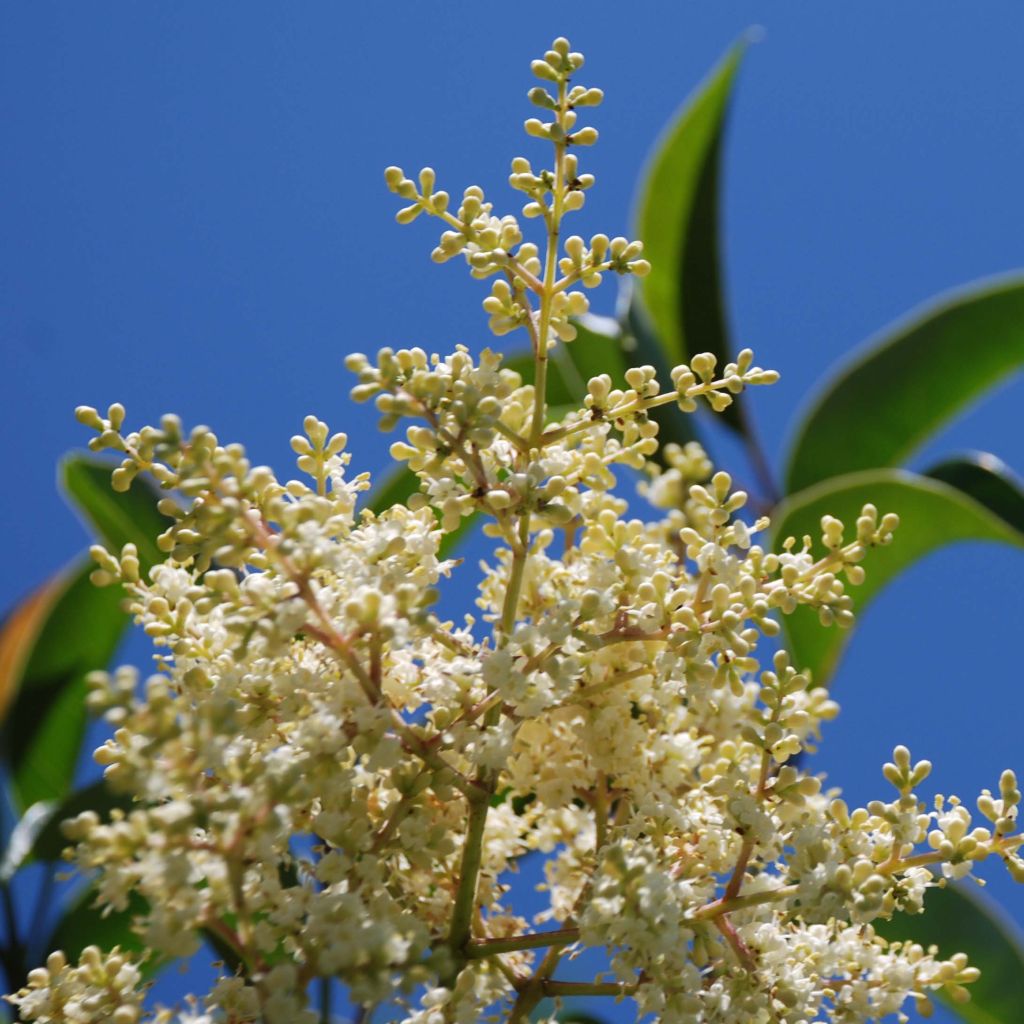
<point x="335" y="785"/>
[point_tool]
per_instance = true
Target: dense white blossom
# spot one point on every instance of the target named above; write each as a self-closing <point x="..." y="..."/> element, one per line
<point x="330" y="782"/>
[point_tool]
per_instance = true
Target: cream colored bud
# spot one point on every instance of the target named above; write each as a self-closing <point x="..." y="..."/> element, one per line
<point x="583" y="137"/>
<point x="703" y="364"/>
<point x="542" y="69"/>
<point x="56" y="962"/>
<point x="89" y="417"/>
<point x="499" y="499"/>
<point x="116" y="414"/>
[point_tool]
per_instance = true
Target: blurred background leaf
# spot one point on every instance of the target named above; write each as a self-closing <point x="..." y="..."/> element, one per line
<point x="987" y="479"/>
<point x="75" y="629"/>
<point x="932" y="514"/>
<point x="116" y="517"/>
<point x="901" y="388"/>
<point x="677" y="219"/>
<point x="959" y="918"/>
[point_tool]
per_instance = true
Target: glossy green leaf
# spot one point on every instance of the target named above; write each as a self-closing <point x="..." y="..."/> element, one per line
<point x="45" y="722"/>
<point x="19" y="632"/>
<point x="958" y="918"/>
<point x="65" y="630"/>
<point x="932" y="514"/>
<point x="987" y="479"/>
<point x="118" y="518"/>
<point x="903" y="386"/>
<point x="677" y="220"/>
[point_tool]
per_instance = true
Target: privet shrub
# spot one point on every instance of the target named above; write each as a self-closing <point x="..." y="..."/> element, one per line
<point x="331" y="783"/>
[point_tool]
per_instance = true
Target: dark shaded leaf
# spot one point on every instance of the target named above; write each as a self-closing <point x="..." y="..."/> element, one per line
<point x="84" y="924"/>
<point x="677" y="220"/>
<point x="959" y="919"/>
<point x="988" y="480"/>
<point x="65" y="630"/>
<point x="932" y="514"/>
<point x="42" y="731"/>
<point x="906" y="384"/>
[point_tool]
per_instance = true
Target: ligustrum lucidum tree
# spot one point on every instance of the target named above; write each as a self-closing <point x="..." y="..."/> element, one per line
<point x="329" y="782"/>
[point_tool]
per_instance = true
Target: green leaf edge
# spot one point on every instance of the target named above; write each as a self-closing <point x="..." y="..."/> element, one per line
<point x="661" y="324"/>
<point x="810" y="495"/>
<point x="1004" y="488"/>
<point x="85" y="481"/>
<point x="876" y="346"/>
<point x="971" y="1012"/>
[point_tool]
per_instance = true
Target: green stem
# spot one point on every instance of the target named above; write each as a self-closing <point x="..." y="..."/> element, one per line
<point x="533" y="991"/>
<point x="550" y="270"/>
<point x="515" y="580"/>
<point x="325" y="1001"/>
<point x="587" y="988"/>
<point x="480" y="948"/>
<point x="465" y="896"/>
<point x="601" y="814"/>
<point x="720" y="907"/>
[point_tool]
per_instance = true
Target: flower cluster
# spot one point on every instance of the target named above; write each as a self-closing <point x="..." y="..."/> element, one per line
<point x="328" y="781"/>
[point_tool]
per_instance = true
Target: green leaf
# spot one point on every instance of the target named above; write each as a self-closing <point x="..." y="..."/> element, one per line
<point x="18" y="634"/>
<point x="71" y="629"/>
<point x="987" y="479"/>
<point x="958" y="918"/>
<point x="677" y="220"/>
<point x="932" y="514"/>
<point x="902" y="387"/>
<point x="117" y="517"/>
<point x="65" y="630"/>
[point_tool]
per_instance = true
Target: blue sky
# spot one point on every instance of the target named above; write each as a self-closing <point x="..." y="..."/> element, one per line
<point x="194" y="219"/>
